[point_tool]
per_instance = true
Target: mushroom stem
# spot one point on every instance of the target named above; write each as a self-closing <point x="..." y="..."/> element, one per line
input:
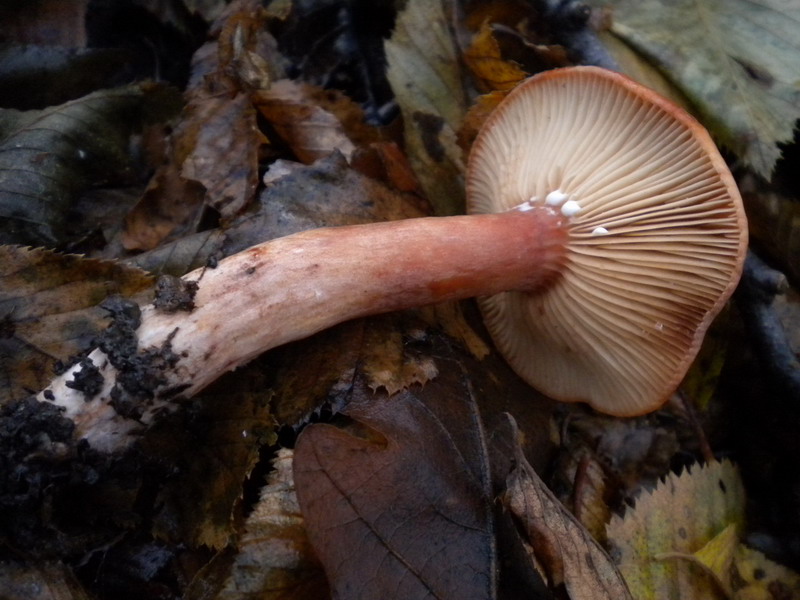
<point x="289" y="288"/>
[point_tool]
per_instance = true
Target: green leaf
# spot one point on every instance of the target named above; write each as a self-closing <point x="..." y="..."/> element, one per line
<point x="737" y="60"/>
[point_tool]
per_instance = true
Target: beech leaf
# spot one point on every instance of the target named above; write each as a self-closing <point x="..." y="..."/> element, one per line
<point x="738" y="61"/>
<point x="396" y="502"/>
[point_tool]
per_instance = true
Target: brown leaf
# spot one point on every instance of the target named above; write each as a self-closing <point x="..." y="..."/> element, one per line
<point x="214" y="447"/>
<point x="310" y="131"/>
<point x="224" y="158"/>
<point x="48" y="157"/>
<point x="171" y="206"/>
<point x="396" y="500"/>
<point x="275" y="560"/>
<point x="39" y="581"/>
<point x="385" y="161"/>
<point x="568" y="554"/>
<point x="48" y="311"/>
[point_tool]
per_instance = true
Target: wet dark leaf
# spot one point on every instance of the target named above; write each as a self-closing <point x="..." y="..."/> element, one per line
<point x="48" y="311"/>
<point x="397" y="499"/>
<point x="48" y="157"/>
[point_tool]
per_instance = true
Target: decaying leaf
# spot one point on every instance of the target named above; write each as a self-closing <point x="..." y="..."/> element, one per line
<point x="48" y="311"/>
<point x="568" y="554"/>
<point x="214" y="447"/>
<point x="774" y="220"/>
<point x="47" y="157"/>
<point x="679" y="517"/>
<point x="423" y="72"/>
<point x="224" y="158"/>
<point x="386" y="365"/>
<point x="275" y="560"/>
<point x="396" y="499"/>
<point x="737" y="60"/>
<point x="42" y="581"/>
<point x="310" y="131"/>
<point x="211" y="157"/>
<point x="488" y="66"/>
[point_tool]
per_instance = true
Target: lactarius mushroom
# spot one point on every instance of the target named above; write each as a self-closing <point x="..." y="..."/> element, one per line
<point x="656" y="236"/>
<point x="616" y="234"/>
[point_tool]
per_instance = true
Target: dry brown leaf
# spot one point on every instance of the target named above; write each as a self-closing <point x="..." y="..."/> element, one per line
<point x="567" y="552"/>
<point x="171" y="206"/>
<point x="275" y="560"/>
<point x="385" y="162"/>
<point x="224" y="157"/>
<point x="589" y="497"/>
<point x="492" y="72"/>
<point x="212" y="156"/>
<point x="387" y="366"/>
<point x="310" y="131"/>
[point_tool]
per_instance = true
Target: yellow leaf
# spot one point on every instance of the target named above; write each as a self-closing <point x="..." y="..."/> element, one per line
<point x="676" y="520"/>
<point x="484" y="59"/>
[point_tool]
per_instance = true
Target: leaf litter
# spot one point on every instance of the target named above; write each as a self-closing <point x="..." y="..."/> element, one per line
<point x="374" y="371"/>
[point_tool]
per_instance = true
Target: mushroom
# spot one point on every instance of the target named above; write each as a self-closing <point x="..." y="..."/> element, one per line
<point x="607" y="233"/>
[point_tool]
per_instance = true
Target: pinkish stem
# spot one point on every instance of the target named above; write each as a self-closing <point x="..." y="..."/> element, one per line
<point x="292" y="287"/>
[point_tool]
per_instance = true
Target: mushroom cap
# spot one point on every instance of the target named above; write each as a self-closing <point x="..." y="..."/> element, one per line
<point x="657" y="235"/>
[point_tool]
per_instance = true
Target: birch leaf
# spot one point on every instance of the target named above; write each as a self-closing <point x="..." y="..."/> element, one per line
<point x="677" y="519"/>
<point x="738" y="61"/>
<point x="424" y="75"/>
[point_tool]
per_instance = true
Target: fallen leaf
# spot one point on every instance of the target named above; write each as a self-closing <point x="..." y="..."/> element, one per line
<point x="755" y="577"/>
<point x="274" y="559"/>
<point x="423" y="72"/>
<point x="48" y="157"/>
<point x="310" y="131"/>
<point x="679" y="517"/>
<point x="396" y="500"/>
<point x="567" y="552"/>
<point x="224" y="156"/>
<point x="214" y="446"/>
<point x="387" y="366"/>
<point x="49" y="312"/>
<point x="40" y="581"/>
<point x="487" y="64"/>
<point x="736" y="60"/>
<point x="774" y="220"/>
